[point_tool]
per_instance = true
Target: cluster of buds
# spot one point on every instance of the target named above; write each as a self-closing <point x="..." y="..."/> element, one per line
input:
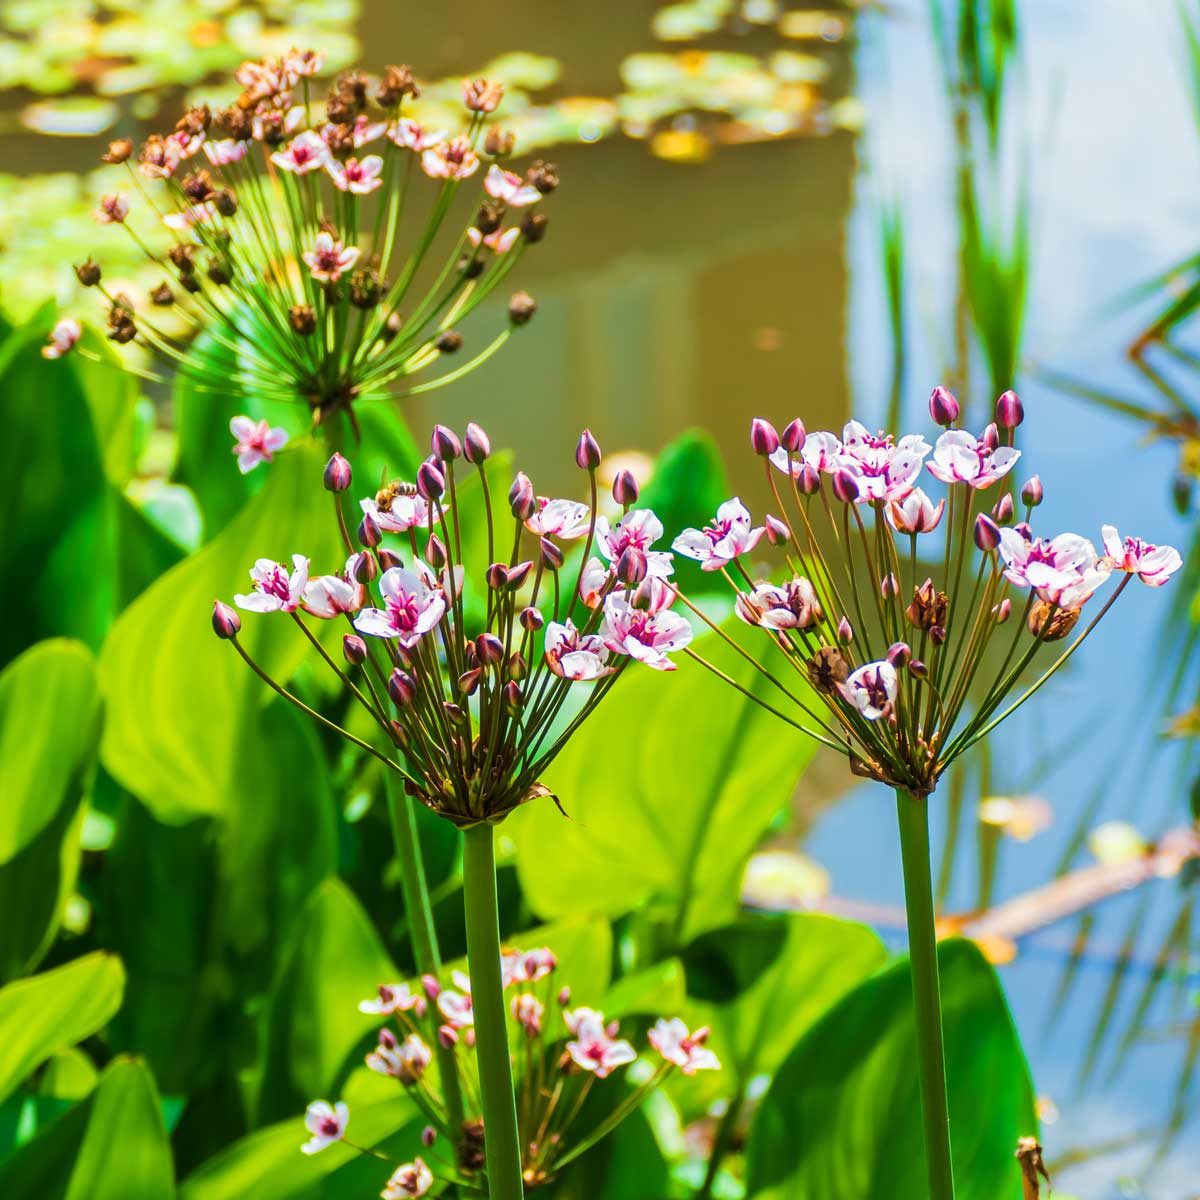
<point x="283" y="215"/>
<point x="890" y="647"/>
<point x="560" y="1051"/>
<point x="471" y="675"/>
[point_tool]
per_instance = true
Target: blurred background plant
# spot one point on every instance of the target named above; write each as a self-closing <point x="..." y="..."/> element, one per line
<point x="825" y="208"/>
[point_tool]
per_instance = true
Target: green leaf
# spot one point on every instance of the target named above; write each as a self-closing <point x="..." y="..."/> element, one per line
<point x="842" y="1118"/>
<point x="49" y="729"/>
<point x="760" y="983"/>
<point x="660" y="990"/>
<point x="182" y="706"/>
<point x="46" y="1013"/>
<point x="110" y="1146"/>
<point x="652" y="821"/>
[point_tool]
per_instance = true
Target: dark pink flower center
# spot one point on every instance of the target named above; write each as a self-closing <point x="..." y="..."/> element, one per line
<point x="276" y="584"/>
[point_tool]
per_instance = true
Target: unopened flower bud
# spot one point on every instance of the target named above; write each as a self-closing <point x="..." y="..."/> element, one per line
<point x="778" y="533"/>
<point x="354" y="649"/>
<point x="225" y="621"/>
<point x="435" y="552"/>
<point x="512" y="697"/>
<point x="302" y="319"/>
<point x="899" y="654"/>
<point x="1024" y="529"/>
<point x="917" y="669"/>
<point x="497" y="576"/>
<point x="521" y="308"/>
<point x="764" y="440"/>
<point x="447" y="1037"/>
<point x="587" y="452"/>
<point x="389" y="559"/>
<point x="518" y="574"/>
<point x="476" y="445"/>
<point x="1032" y="493"/>
<point x="845" y="632"/>
<point x="845" y="485"/>
<point x="516" y="667"/>
<point x="625" y="489"/>
<point x="531" y="619"/>
<point x="88" y="273"/>
<point x="365" y="568"/>
<point x="337" y="474"/>
<point x="809" y="480"/>
<point x="1010" y="412"/>
<point x="489" y="648"/>
<point x="446" y="445"/>
<point x="468" y="681"/>
<point x="552" y="555"/>
<point x="1003" y="509"/>
<point x="632" y="565"/>
<point x="401" y="687"/>
<point x="943" y="407"/>
<point x="431" y="483"/>
<point x="428" y="1136"/>
<point x="499" y="143"/>
<point x="987" y="533"/>
<point x="454" y="712"/>
<point x="1002" y="611"/>
<point x="889" y="585"/>
<point x="937" y="634"/>
<point x="431" y="987"/>
<point x="564" y="996"/>
<point x="793" y="437"/>
<point x="990" y="436"/>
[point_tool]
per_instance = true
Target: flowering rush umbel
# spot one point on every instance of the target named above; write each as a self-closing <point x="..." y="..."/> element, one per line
<point x="898" y="664"/>
<point x="560" y="1051"/>
<point x="302" y="237"/>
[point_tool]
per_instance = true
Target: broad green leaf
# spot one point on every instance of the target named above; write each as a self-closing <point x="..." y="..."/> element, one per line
<point x="313" y="1023"/>
<point x="268" y="1164"/>
<point x="661" y="812"/>
<point x="68" y="1075"/>
<point x="842" y="1119"/>
<point x="657" y="991"/>
<point x="627" y="1163"/>
<point x="181" y="704"/>
<point x="49" y="728"/>
<point x="760" y="983"/>
<point x="110" y="1146"/>
<point x="47" y="1013"/>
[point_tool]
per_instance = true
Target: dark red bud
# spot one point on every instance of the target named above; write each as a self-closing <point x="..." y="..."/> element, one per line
<point x="468" y="681"/>
<point x="389" y="559"/>
<point x="777" y="532"/>
<point x="625" y="489"/>
<point x="793" y="437"/>
<point x="497" y="576"/>
<point x="845" y="485"/>
<point x="431" y="483"/>
<point x="354" y="649"/>
<point x="764" y="440"/>
<point x="552" y="556"/>
<point x="445" y="444"/>
<point x="917" y="669"/>
<point x="521" y="499"/>
<point x="632" y="565"/>
<point x="476" y="446"/>
<point x="809" y="480"/>
<point x="1010" y="412"/>
<point x="943" y="407"/>
<point x="531" y="619"/>
<point x="518" y="574"/>
<point x="489" y="648"/>
<point x="987" y="533"/>
<point x="991" y="436"/>
<point x="337" y="474"/>
<point x="368" y="532"/>
<point x="365" y="568"/>
<point x="1002" y="510"/>
<point x="428" y="1136"/>
<point x="435" y="552"/>
<point x="401" y="687"/>
<point x="899" y="654"/>
<point x="512" y="696"/>
<point x="1032" y="493"/>
<point x="937" y="634"/>
<point x="587" y="453"/>
<point x="225" y="621"/>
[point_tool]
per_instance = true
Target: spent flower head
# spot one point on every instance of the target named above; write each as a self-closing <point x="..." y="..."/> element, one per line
<point x="281" y="225"/>
<point x="899" y="647"/>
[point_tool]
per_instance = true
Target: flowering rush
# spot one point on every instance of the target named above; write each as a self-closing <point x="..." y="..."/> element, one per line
<point x="560" y="1052"/>
<point x="475" y="673"/>
<point x="281" y="229"/>
<point x="891" y="648"/>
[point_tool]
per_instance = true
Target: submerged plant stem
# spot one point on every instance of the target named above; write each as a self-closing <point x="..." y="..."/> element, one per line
<point x="500" y="1139"/>
<point x="913" y="813"/>
<point x="423" y="934"/>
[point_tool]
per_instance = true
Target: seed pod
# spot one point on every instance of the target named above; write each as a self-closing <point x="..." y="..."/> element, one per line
<point x="88" y="273"/>
<point x="521" y="308"/>
<point x="1050" y="623"/>
<point x="826" y="669"/>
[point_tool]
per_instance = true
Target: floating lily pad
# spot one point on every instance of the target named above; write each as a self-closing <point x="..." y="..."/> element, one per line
<point x="72" y="116"/>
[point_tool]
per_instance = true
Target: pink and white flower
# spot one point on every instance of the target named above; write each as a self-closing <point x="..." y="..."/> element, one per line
<point x="327" y="1124"/>
<point x="187" y="218"/>
<point x="405" y="1060"/>
<point x="509" y="187"/>
<point x="112" y="209"/>
<point x="961" y="457"/>
<point x="457" y="1008"/>
<point x="684" y="1049"/>
<point x="408" y="1180"/>
<point x="411" y="135"/>
<point x="360" y="177"/>
<point x="62" y="338"/>
<point x="915" y="513"/>
<point x="594" y="581"/>
<point x="643" y="635"/>
<point x="722" y="540"/>
<point x="255" y="442"/>
<point x="821" y="450"/>
<point x="225" y="151"/>
<point x="883" y="470"/>
<point x="363" y="132"/>
<point x="1152" y="564"/>
<point x="184" y="143"/>
<point x="638" y="529"/>
<point x="299" y="64"/>
<point x="450" y="160"/>
<point x="499" y="241"/>
<point x="274" y="124"/>
<point x="329" y="596"/>
<point x="306" y="152"/>
<point x="565" y="519"/>
<point x="574" y="655"/>
<point x="275" y="588"/>
<point x="526" y="966"/>
<point x="329" y="259"/>
<point x="403" y="513"/>
<point x="414" y="607"/>
<point x="1063" y="571"/>
<point x="792" y="605"/>
<point x="528" y="1011"/>
<point x="594" y="1048"/>
<point x="871" y="689"/>
<point x="393" y="998"/>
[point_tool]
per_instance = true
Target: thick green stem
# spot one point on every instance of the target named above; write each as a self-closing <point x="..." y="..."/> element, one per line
<point x="500" y="1138"/>
<point x="913" y="813"/>
<point x="423" y="934"/>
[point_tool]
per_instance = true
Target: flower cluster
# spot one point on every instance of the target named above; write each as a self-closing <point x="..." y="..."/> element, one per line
<point x="470" y="674"/>
<point x="284" y="217"/>
<point x="890" y="647"/>
<point x="559" y="1051"/>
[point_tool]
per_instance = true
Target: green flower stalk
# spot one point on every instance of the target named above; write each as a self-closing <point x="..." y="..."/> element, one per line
<point x="309" y="249"/>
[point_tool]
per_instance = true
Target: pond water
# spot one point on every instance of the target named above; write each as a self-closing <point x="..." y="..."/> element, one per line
<point x="681" y="294"/>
